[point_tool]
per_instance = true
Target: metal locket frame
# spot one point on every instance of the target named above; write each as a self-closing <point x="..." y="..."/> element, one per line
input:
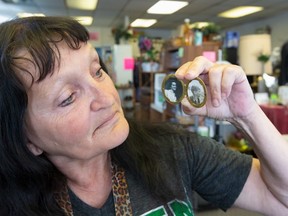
<point x="174" y="90"/>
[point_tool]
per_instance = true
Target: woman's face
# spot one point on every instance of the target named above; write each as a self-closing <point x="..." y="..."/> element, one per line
<point x="173" y="86"/>
<point x="76" y="112"/>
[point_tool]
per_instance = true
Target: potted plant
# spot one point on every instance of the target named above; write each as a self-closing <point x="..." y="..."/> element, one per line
<point x="261" y="85"/>
<point x="210" y="31"/>
<point x="149" y="55"/>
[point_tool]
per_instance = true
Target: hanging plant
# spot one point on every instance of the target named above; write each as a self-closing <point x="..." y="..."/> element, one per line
<point x="121" y="32"/>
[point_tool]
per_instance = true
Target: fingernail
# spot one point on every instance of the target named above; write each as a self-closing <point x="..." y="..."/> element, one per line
<point x="216" y="102"/>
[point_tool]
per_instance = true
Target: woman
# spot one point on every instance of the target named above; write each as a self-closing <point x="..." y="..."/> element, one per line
<point x="283" y="76"/>
<point x="67" y="149"/>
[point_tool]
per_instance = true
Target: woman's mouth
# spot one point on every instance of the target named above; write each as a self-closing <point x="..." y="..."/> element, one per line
<point x="109" y="121"/>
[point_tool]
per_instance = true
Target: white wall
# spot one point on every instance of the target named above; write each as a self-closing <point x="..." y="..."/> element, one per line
<point x="105" y="37"/>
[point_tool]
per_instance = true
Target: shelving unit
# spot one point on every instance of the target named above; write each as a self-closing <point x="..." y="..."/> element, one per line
<point x="127" y="97"/>
<point x="148" y="92"/>
<point x="158" y="98"/>
<point x="150" y="83"/>
<point x="146" y="80"/>
<point x="174" y="57"/>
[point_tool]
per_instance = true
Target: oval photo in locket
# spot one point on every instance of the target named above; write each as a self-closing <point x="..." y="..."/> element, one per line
<point x="196" y="92"/>
<point x="172" y="89"/>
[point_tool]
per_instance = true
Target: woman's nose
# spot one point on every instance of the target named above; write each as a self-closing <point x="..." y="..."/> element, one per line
<point x="100" y="98"/>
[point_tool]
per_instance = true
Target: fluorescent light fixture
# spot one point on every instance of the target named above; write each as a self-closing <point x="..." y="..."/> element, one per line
<point x="22" y="15"/>
<point x="199" y="24"/>
<point x="240" y="11"/>
<point x="4" y="18"/>
<point x="84" y="20"/>
<point x="14" y="1"/>
<point x="82" y="4"/>
<point x="143" y="23"/>
<point x="166" y="7"/>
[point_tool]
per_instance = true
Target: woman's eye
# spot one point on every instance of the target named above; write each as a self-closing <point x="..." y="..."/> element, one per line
<point x="99" y="73"/>
<point x="67" y="101"/>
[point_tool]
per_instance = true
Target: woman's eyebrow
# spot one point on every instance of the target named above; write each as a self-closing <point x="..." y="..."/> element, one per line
<point x="94" y="54"/>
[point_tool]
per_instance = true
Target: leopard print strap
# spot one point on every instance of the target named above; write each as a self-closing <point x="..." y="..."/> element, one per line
<point x="120" y="193"/>
<point x="63" y="200"/>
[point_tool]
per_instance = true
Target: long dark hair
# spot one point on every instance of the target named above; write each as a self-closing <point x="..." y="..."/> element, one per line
<point x="144" y="153"/>
<point x="28" y="182"/>
<point x="283" y="76"/>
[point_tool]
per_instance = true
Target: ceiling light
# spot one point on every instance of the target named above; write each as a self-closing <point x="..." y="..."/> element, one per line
<point x="143" y="23"/>
<point x="199" y="25"/>
<point x="84" y="20"/>
<point x="15" y="1"/>
<point x="22" y="15"/>
<point x="240" y="11"/>
<point x="82" y="5"/>
<point x="4" y="18"/>
<point x="166" y="7"/>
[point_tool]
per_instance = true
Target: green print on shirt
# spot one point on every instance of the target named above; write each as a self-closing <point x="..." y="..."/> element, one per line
<point x="159" y="211"/>
<point x="177" y="207"/>
<point x="180" y="208"/>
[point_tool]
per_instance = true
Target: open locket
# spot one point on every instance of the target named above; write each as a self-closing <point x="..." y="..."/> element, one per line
<point x="175" y="90"/>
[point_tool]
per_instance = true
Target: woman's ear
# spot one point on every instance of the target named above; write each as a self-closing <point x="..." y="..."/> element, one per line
<point x="34" y="149"/>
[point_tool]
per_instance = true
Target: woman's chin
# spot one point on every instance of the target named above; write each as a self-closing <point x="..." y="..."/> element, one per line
<point x="120" y="132"/>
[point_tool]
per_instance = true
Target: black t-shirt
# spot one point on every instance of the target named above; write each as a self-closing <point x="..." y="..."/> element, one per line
<point x="82" y="209"/>
<point x="216" y="173"/>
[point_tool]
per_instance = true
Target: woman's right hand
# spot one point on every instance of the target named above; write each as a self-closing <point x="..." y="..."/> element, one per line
<point x="229" y="95"/>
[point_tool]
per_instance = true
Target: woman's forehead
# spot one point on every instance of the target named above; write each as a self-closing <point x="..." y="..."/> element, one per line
<point x="31" y="72"/>
<point x="25" y="67"/>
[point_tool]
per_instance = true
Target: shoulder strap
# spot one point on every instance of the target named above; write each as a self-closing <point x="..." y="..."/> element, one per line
<point x="120" y="193"/>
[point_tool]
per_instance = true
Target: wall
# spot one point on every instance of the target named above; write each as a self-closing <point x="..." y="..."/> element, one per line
<point x="105" y="37"/>
<point x="161" y="33"/>
<point x="278" y="25"/>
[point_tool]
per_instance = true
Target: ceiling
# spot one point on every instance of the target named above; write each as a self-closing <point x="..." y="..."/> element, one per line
<point x="111" y="13"/>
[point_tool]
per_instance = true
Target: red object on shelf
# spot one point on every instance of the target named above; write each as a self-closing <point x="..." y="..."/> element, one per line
<point x="278" y="115"/>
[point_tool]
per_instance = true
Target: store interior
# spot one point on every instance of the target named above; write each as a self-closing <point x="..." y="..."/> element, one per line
<point x="138" y="59"/>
